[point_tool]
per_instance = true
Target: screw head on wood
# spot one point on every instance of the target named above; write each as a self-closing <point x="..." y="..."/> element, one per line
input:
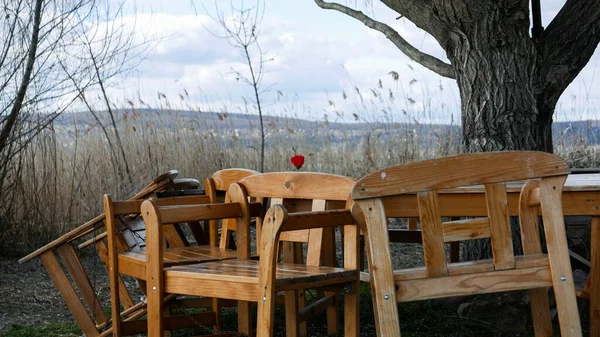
<point x="264" y="298"/>
<point x="563" y="278"/>
<point x="153" y="288"/>
<point x="386" y="297"/>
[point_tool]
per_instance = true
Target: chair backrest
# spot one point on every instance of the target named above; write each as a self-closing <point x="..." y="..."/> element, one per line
<point x="428" y="178"/>
<point x="216" y="185"/>
<point x="124" y="214"/>
<point x="384" y="193"/>
<point x="301" y="192"/>
<point x="156" y="217"/>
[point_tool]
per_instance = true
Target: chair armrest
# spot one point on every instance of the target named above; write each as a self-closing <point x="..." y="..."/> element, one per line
<point x="187" y="213"/>
<point x="317" y="219"/>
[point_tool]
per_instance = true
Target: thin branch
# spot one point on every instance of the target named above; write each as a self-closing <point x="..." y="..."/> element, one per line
<point x="430" y="62"/>
<point x="242" y="33"/>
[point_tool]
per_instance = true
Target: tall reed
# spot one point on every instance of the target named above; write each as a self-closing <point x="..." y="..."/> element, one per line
<point x="59" y="179"/>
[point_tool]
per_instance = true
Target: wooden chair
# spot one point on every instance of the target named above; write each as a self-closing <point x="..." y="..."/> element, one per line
<point x="126" y="246"/>
<point x="130" y="260"/>
<point x="61" y="259"/>
<point x="379" y="195"/>
<point x="216" y="187"/>
<point x="312" y="196"/>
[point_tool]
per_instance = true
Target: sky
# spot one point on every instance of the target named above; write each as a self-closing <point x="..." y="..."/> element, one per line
<point x="323" y="65"/>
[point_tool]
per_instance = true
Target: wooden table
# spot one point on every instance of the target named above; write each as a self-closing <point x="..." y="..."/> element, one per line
<point x="581" y="196"/>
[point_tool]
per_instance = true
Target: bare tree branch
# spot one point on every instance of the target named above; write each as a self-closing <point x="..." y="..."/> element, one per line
<point x="430" y="62"/>
<point x="242" y="32"/>
<point x="567" y="45"/>
<point x="16" y="108"/>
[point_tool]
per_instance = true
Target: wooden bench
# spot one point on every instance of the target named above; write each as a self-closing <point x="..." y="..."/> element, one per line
<point x="380" y="195"/>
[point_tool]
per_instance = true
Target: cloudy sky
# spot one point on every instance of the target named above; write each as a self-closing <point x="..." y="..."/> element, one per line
<point x="321" y="60"/>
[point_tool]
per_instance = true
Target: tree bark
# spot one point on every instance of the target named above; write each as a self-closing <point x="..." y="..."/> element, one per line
<point x="496" y="63"/>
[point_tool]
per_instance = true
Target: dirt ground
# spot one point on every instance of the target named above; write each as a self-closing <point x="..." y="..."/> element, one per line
<point x="29" y="297"/>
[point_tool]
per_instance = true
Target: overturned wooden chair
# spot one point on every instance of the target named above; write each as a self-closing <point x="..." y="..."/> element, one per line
<point x="126" y="252"/>
<point x="247" y="280"/>
<point x="383" y="193"/>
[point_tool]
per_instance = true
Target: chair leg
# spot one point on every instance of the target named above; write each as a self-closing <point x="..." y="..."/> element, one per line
<point x="329" y="259"/>
<point x="540" y="312"/>
<point x="300" y="299"/>
<point x="216" y="307"/>
<point x="383" y="289"/>
<point x="167" y="312"/>
<point x="244" y="322"/>
<point x="302" y="327"/>
<point x="266" y="315"/>
<point x="558" y="253"/>
<point x="292" y="328"/>
<point x="155" y="314"/>
<point x="332" y="316"/>
<point x="351" y="312"/>
<point x="115" y="305"/>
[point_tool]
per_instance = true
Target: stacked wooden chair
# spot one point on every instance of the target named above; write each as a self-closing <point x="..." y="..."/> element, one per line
<point x="62" y="261"/>
<point x="382" y="194"/>
<point x="127" y="253"/>
<point x="303" y="207"/>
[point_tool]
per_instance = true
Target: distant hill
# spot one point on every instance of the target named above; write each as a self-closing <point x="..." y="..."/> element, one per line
<point x="567" y="133"/>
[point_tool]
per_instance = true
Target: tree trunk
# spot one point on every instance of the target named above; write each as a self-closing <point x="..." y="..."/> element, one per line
<point x="509" y="82"/>
<point x="496" y="64"/>
<point x="497" y="73"/>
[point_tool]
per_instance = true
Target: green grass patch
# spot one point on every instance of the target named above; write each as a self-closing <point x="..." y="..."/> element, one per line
<point x="60" y="329"/>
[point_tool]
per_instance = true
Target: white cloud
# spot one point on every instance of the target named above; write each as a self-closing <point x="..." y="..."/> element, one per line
<point x="317" y="55"/>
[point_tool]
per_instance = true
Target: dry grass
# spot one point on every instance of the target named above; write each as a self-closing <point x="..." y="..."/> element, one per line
<point x="57" y="182"/>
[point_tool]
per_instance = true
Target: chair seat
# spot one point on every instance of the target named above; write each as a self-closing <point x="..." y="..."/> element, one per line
<point x="246" y="271"/>
<point x="134" y="263"/>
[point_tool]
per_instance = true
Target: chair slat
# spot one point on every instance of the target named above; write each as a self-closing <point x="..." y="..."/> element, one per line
<point x="529" y="202"/>
<point x="468" y="229"/>
<point x="459" y="285"/>
<point x="502" y="247"/>
<point x="183" y="200"/>
<point x="199" y="212"/>
<point x="432" y="231"/>
<point x="460" y="170"/>
<point x="299" y="185"/>
<point x="127" y="207"/>
<point x="472" y="267"/>
<point x="313" y="255"/>
<point x="528" y="218"/>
